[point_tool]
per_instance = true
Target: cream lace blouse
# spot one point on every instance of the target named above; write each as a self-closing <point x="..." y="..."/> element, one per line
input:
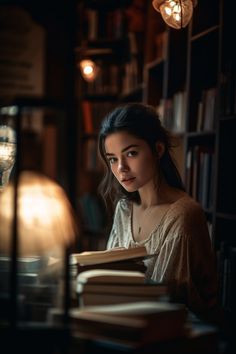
<point x="181" y="241"/>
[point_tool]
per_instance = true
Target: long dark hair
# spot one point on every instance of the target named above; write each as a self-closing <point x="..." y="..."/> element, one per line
<point x="143" y="122"/>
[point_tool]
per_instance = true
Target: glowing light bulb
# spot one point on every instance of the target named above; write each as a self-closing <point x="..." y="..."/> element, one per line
<point x="176" y="14"/>
<point x="88" y="69"/>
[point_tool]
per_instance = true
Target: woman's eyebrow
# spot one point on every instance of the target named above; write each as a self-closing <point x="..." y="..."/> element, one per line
<point x="123" y="150"/>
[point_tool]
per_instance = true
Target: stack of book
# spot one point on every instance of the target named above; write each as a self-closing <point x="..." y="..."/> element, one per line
<point x="116" y="303"/>
<point x="113" y="277"/>
<point x="106" y="287"/>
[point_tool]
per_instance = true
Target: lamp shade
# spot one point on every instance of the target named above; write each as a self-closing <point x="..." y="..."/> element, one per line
<point x="176" y="13"/>
<point x="45" y="218"/>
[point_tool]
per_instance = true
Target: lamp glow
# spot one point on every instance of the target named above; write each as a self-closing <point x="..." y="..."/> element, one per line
<point x="45" y="218"/>
<point x="176" y="13"/>
<point x="88" y="69"/>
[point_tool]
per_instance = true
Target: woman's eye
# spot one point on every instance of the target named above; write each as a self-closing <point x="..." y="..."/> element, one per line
<point x="111" y="160"/>
<point x="132" y="153"/>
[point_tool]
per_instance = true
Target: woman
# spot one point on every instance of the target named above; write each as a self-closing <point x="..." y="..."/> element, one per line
<point x="152" y="208"/>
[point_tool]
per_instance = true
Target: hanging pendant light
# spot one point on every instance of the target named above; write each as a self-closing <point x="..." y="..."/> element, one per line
<point x="176" y="13"/>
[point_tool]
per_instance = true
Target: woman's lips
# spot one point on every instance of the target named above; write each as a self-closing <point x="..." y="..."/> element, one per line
<point x="127" y="181"/>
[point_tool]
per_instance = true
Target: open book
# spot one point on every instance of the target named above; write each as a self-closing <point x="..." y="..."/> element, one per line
<point x="112" y="255"/>
<point x="116" y="258"/>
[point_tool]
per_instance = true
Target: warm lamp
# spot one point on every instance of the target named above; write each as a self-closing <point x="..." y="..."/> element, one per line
<point x="176" y="13"/>
<point x="88" y="69"/>
<point x="45" y="219"/>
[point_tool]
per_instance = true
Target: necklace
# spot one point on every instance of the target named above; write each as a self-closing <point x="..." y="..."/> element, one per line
<point x="144" y="222"/>
<point x="145" y="215"/>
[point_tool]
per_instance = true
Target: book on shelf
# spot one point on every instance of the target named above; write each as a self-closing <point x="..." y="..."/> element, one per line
<point x="199" y="124"/>
<point x="206" y="110"/>
<point x="91" y="16"/>
<point x="156" y="37"/>
<point x="93" y="114"/>
<point x="195" y="167"/>
<point x="200" y="171"/>
<point x="189" y="171"/>
<point x="179" y="111"/>
<point x="87" y="117"/>
<point x="138" y="322"/>
<point x="105" y="24"/>
<point x="107" y="81"/>
<point x="117" y="258"/>
<point x="209" y="104"/>
<point x="132" y="77"/>
<point x="105" y="287"/>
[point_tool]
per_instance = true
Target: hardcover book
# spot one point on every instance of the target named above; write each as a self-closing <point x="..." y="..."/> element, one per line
<point x="105" y="287"/>
<point x="140" y="322"/>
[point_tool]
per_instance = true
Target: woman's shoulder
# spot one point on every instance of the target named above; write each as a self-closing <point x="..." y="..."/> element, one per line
<point x="123" y="207"/>
<point x="187" y="204"/>
<point x="188" y="211"/>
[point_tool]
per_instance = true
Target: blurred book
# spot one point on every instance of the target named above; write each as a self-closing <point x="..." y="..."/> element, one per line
<point x="22" y="279"/>
<point x="139" y="322"/>
<point x="24" y="264"/>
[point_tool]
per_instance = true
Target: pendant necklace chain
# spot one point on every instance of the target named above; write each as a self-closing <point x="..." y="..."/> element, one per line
<point x="146" y="213"/>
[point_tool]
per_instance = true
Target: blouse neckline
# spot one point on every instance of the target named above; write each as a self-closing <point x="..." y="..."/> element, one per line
<point x="155" y="228"/>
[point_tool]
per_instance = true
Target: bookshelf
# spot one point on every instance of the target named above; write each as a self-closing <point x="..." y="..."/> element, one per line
<point x="210" y="123"/>
<point x="164" y="77"/>
<point x="112" y="35"/>
<point x="189" y="77"/>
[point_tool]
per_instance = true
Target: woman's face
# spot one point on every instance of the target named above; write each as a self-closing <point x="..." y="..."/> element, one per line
<point x="131" y="160"/>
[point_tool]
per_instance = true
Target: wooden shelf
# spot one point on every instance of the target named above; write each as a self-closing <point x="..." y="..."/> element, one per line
<point x="205" y="33"/>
